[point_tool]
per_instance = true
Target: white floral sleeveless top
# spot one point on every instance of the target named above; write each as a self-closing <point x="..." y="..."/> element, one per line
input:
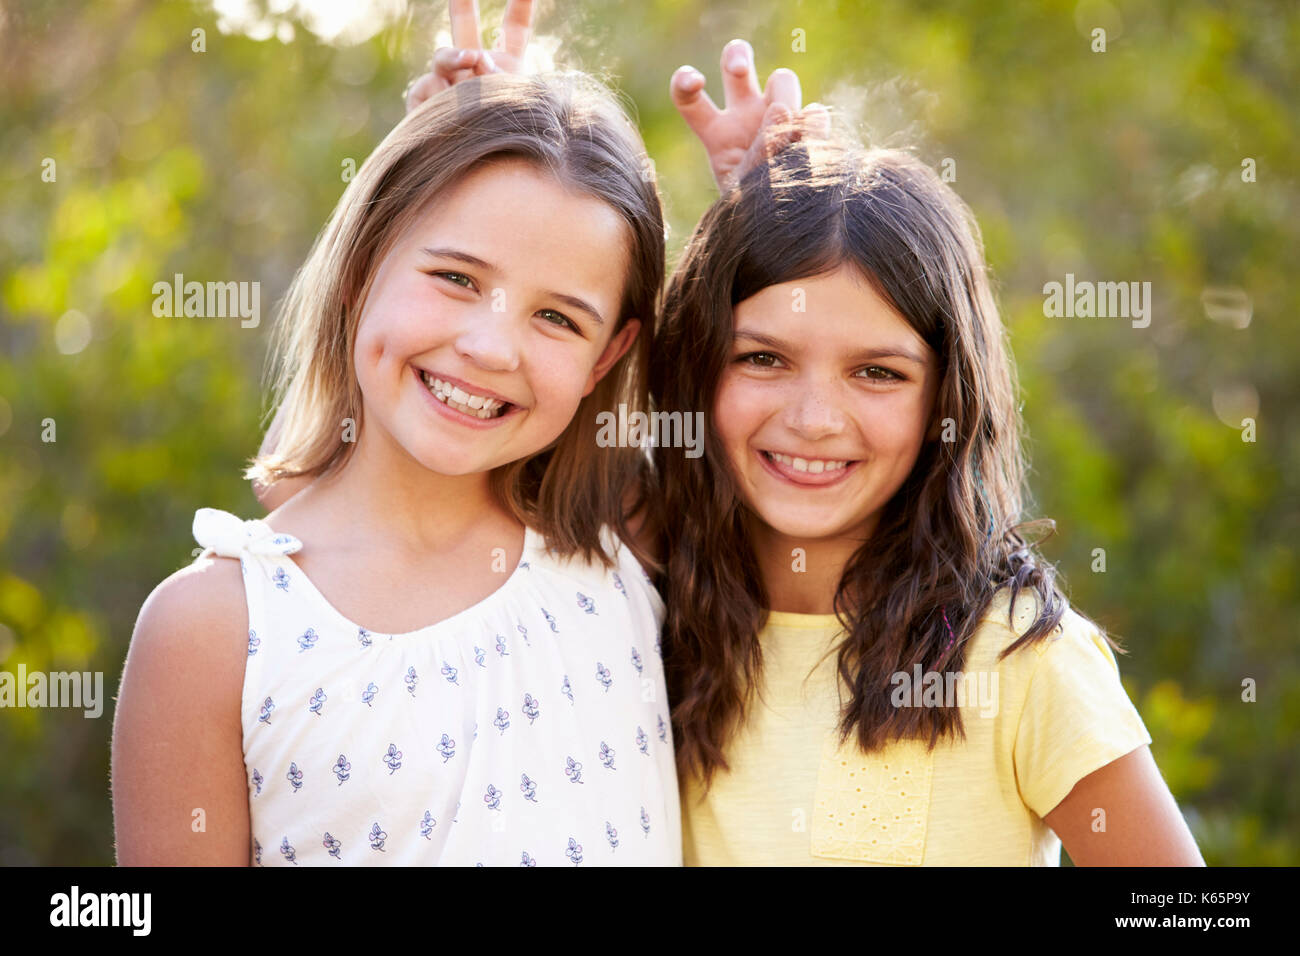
<point x="531" y="728"/>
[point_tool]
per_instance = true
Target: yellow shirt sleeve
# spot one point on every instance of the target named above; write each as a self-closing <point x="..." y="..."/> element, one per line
<point x="1076" y="718"/>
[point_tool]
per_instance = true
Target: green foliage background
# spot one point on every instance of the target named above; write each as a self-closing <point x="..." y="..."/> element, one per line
<point x="1123" y="165"/>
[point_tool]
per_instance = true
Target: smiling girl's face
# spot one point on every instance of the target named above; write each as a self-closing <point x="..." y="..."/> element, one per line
<point x="491" y="318"/>
<point x="823" y="412"/>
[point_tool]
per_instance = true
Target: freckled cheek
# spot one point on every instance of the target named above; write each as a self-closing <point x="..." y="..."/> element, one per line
<point x="739" y="410"/>
<point x="893" y="432"/>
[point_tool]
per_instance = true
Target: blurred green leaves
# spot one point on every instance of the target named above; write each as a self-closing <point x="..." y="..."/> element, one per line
<point x="1119" y="166"/>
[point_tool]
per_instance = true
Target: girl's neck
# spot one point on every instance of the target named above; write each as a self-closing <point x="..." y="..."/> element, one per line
<point x="802" y="581"/>
<point x="383" y="490"/>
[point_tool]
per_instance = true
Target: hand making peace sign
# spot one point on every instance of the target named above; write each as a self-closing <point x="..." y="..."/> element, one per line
<point x="752" y="125"/>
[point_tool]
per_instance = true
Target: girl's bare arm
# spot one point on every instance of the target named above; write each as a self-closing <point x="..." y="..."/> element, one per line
<point x="1142" y="823"/>
<point x="180" y="796"/>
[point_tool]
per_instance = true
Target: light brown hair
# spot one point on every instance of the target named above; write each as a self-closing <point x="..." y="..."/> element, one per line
<point x="568" y="124"/>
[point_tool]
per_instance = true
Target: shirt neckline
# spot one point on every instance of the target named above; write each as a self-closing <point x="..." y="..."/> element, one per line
<point x="791" y="619"/>
<point x="533" y="548"/>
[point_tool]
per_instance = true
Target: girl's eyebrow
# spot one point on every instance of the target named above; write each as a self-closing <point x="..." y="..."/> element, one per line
<point x="866" y="354"/>
<point x="443" y="252"/>
<point x="573" y="301"/>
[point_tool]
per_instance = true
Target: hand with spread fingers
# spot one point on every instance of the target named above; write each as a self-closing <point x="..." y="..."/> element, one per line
<point x="754" y="123"/>
<point x="466" y="56"/>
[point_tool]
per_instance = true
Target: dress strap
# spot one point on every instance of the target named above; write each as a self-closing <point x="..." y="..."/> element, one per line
<point x="228" y="536"/>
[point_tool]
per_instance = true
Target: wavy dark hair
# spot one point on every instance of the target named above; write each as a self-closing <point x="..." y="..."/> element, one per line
<point x="949" y="538"/>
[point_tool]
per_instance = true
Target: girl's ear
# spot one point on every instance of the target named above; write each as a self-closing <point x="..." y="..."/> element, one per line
<point x="615" y="350"/>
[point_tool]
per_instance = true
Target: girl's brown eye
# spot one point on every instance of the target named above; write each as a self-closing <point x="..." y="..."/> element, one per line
<point x="559" y="319"/>
<point x="455" y="277"/>
<point x="760" y="359"/>
<point x="887" y="375"/>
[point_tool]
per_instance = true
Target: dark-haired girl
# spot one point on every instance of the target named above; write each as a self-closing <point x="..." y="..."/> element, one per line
<point x="868" y="661"/>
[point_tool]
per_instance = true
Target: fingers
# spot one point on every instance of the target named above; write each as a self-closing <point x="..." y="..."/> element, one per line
<point x="816" y="120"/>
<point x="422" y="89"/>
<point x="691" y="100"/>
<point x="465" y="31"/>
<point x="516" y="26"/>
<point x="453" y="65"/>
<point x="739" y="81"/>
<point x="778" y="130"/>
<point x="783" y="87"/>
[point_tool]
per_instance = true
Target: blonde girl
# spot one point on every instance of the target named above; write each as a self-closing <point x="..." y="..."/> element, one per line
<point x="441" y="650"/>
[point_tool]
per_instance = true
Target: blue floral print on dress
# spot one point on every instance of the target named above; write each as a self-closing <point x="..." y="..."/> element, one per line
<point x="501" y="645"/>
<point x="528" y="788"/>
<point x="645" y="822"/>
<point x="279" y="636"/>
<point x="392" y="759"/>
<point x="573" y="770"/>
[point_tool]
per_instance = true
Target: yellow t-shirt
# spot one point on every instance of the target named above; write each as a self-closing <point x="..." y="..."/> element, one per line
<point x="1036" y="723"/>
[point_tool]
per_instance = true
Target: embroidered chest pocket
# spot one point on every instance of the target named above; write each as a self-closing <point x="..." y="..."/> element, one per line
<point x="872" y="808"/>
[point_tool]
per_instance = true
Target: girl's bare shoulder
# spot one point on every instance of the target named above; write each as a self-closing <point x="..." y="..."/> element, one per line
<point x="195" y="623"/>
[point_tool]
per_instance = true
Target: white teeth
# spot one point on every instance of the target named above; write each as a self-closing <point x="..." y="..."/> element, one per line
<point x="812" y="465"/>
<point x="479" y="406"/>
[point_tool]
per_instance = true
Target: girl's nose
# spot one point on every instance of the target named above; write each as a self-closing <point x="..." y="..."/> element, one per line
<point x="490" y="339"/>
<point x="813" y="413"/>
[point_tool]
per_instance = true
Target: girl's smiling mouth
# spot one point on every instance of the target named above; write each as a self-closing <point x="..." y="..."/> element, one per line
<point x="810" y="472"/>
<point x="452" y="399"/>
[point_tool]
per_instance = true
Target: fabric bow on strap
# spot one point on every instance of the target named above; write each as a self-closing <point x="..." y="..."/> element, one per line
<point x="228" y="536"/>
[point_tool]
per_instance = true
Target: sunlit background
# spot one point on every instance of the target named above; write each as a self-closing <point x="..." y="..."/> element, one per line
<point x="145" y="139"/>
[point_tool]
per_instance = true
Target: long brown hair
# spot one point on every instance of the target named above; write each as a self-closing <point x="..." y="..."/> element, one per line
<point x="945" y="542"/>
<point x="567" y="124"/>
